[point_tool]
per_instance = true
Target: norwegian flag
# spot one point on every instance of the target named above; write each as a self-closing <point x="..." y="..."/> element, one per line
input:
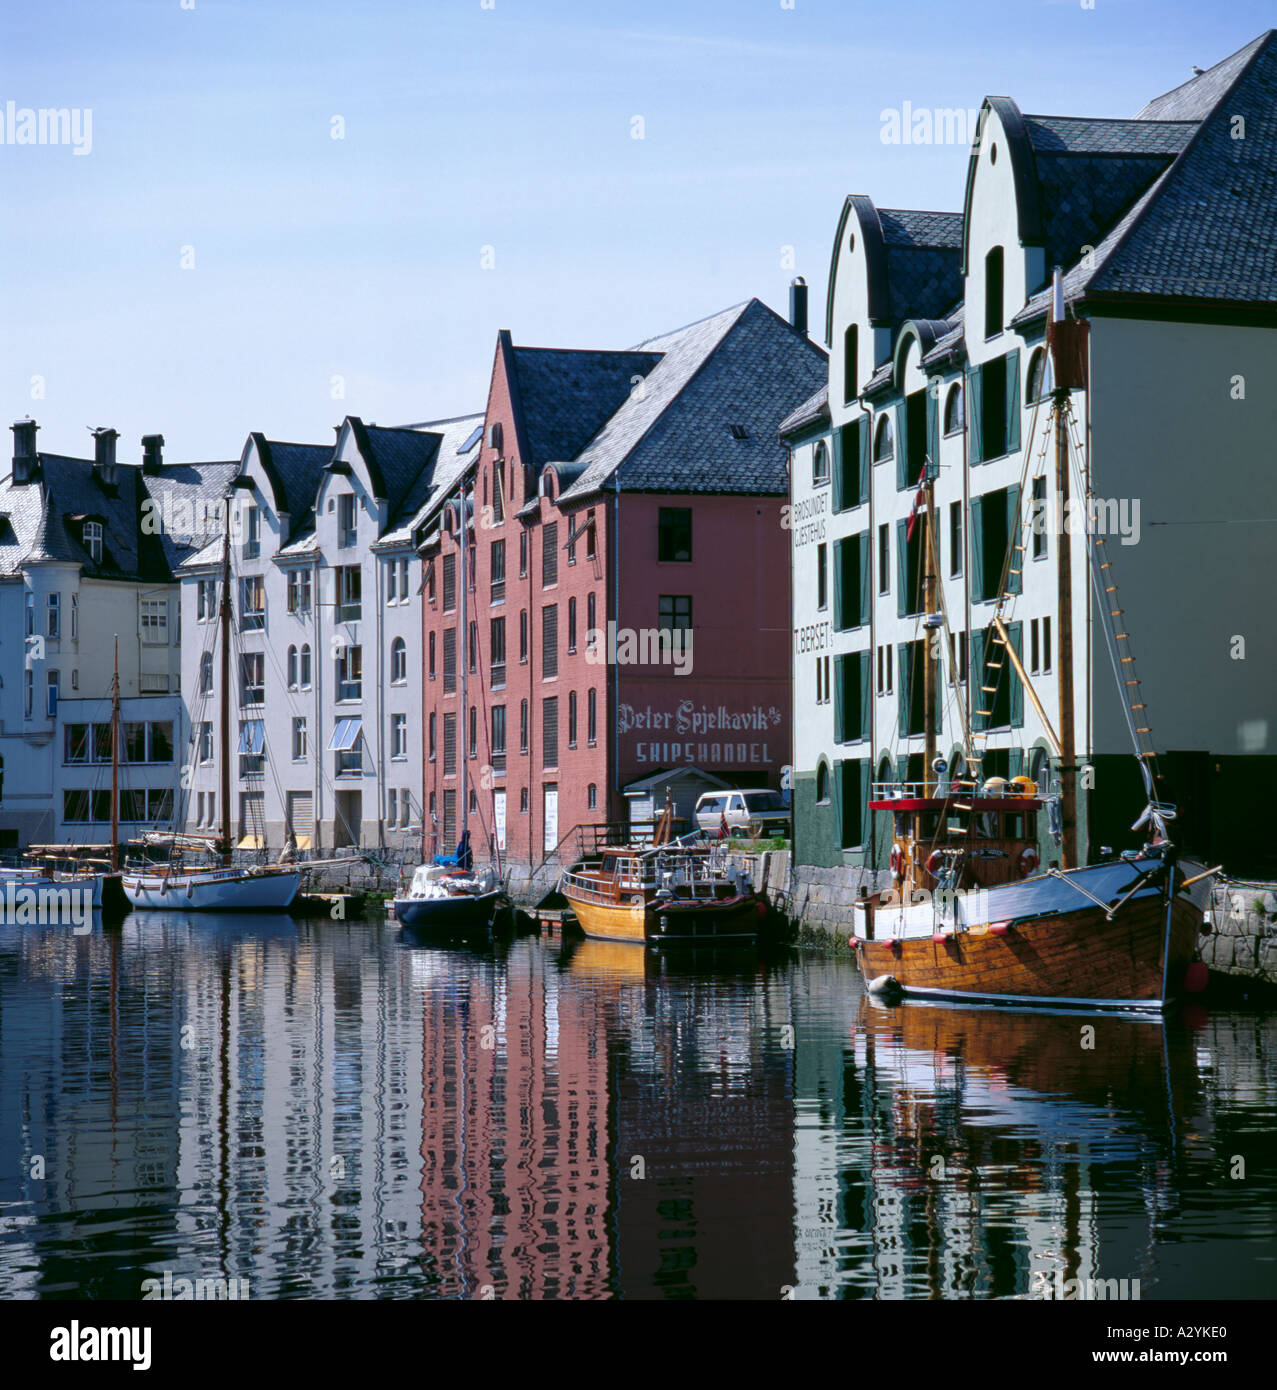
<point x="722" y="826"/>
<point x="919" y="499"/>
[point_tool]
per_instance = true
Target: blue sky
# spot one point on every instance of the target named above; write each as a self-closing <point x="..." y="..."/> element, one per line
<point x="510" y="128"/>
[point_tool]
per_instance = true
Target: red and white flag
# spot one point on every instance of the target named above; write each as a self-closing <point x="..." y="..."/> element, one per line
<point x="919" y="499"/>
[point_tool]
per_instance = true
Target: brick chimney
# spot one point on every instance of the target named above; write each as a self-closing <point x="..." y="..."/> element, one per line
<point x="104" y="456"/>
<point x="152" y="454"/>
<point x="25" y="459"/>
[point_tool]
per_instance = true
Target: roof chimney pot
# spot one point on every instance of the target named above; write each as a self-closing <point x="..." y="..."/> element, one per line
<point x="25" y="458"/>
<point x="152" y="453"/>
<point x="798" y="304"/>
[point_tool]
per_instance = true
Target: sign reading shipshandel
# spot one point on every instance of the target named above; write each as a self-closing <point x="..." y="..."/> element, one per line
<point x="700" y="734"/>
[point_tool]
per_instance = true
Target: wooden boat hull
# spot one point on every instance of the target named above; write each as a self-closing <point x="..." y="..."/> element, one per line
<point x="212" y="890"/>
<point x="458" y="912"/>
<point x="1071" y="959"/>
<point x="668" y="923"/>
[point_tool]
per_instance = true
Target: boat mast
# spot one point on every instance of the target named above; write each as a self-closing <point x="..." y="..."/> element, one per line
<point x="463" y="656"/>
<point x="931" y="634"/>
<point x="225" y="614"/>
<point x="115" y="760"/>
<point x="1064" y="585"/>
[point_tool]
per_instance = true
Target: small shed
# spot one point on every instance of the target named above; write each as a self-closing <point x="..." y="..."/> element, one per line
<point x="686" y="785"/>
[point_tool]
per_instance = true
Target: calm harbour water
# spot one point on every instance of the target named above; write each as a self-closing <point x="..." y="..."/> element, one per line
<point x="328" y="1110"/>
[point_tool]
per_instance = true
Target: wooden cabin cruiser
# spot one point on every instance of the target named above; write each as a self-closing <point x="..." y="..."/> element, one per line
<point x="664" y="893"/>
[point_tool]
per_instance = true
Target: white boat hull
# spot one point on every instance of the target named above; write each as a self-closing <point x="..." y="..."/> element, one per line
<point x="212" y="890"/>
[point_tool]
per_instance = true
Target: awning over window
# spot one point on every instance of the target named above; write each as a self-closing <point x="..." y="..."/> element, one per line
<point x="252" y="736"/>
<point x="346" y="735"/>
<point x="252" y="842"/>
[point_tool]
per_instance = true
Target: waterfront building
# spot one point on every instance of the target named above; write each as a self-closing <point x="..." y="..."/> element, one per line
<point x="627" y="584"/>
<point x="326" y="641"/>
<point x="84" y="562"/>
<point x="936" y="328"/>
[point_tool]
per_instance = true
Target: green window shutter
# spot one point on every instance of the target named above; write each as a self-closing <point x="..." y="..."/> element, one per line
<point x="1015" y="763"/>
<point x="840" y="703"/>
<point x="866" y="595"/>
<point x="975" y="426"/>
<point x="979" y="698"/>
<point x="835" y="444"/>
<point x="933" y="423"/>
<point x="902" y="767"/>
<point x="853" y="782"/>
<point x="866" y="675"/>
<point x="1017" y="689"/>
<point x="902" y="446"/>
<point x="902" y="570"/>
<point x="1015" y="582"/>
<point x="862" y="437"/>
<point x="837" y="581"/>
<point x="1013" y="402"/>
<point x="838" y="783"/>
<point x="927" y="637"/>
<point x="904" y="653"/>
<point x="977" y="549"/>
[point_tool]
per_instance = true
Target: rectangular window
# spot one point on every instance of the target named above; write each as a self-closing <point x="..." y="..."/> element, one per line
<point x="474" y="731"/>
<point x="53" y="615"/>
<point x="884" y="559"/>
<point x="299" y="591"/>
<point x="449" y="660"/>
<point x="910" y="553"/>
<point x="392" y="805"/>
<point x="155" y="622"/>
<point x="523" y="726"/>
<point x="1034" y="650"/>
<point x="405" y="805"/>
<point x="572" y="719"/>
<point x="252" y="604"/>
<point x="75" y="618"/>
<point x="30" y="610"/>
<point x="1038" y="515"/>
<point x="550" y="640"/>
<point x="398" y="735"/>
<point x="252" y="747"/>
<point x="404" y="595"/>
<point x="592" y="717"/>
<point x="571" y="624"/>
<point x="347" y="532"/>
<point x="52" y="681"/>
<point x="392" y="581"/>
<point x="252" y="533"/>
<point x="850" y="364"/>
<point x="498" y="738"/>
<point x="523" y="636"/>
<point x="1046" y="645"/>
<point x="995" y="543"/>
<point x="449" y="744"/>
<point x="674" y="535"/>
<point x="590" y="540"/>
<point x="498" y="492"/>
<point x="496" y="636"/>
<point x="993" y="408"/>
<point x="497" y="561"/>
<point x="449" y="582"/>
<point x="523" y="554"/>
<point x="851" y="582"/>
<point x="851" y="465"/>
<point x="955" y="539"/>
<point x="549" y="554"/>
<point x="350" y="584"/>
<point x="252" y="678"/>
<point x="472" y="648"/>
<point x="300" y="739"/>
<point x="75" y="743"/>
<point x="205" y="754"/>
<point x="433" y="744"/>
<point x="674" y="611"/>
<point x="822" y="578"/>
<point x="550" y="732"/>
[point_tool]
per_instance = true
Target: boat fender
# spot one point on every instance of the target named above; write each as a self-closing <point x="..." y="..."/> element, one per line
<point x="999" y="928"/>
<point x="895" y="945"/>
<point x="897" y="861"/>
<point x="1028" y="861"/>
<point x="935" y="861"/>
<point x="1196" y="978"/>
<point x="885" y="987"/>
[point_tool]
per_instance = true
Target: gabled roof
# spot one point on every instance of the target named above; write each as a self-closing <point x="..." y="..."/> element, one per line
<point x="743" y="367"/>
<point x="181" y="492"/>
<point x="1195" y="99"/>
<point x="448" y="466"/>
<point x="293" y="471"/>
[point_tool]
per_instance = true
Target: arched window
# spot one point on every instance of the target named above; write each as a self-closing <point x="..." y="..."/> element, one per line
<point x="884" y="446"/>
<point x="1038" y="381"/>
<point x="885" y="776"/>
<point x="292" y="668"/>
<point x="993" y="295"/>
<point x="304" y="673"/>
<point x="206" y="673"/>
<point x="398" y="661"/>
<point x="953" y="416"/>
<point x="822" y="783"/>
<point x="850" y="364"/>
<point x="592" y="796"/>
<point x="1039" y="769"/>
<point x="820" y="464"/>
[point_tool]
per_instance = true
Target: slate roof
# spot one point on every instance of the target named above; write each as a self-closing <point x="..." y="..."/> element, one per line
<point x="567" y="396"/>
<point x="1195" y="99"/>
<point x="297" y="467"/>
<point x="180" y="492"/>
<point x="909" y="227"/>
<point x="924" y="261"/>
<point x="745" y="366"/>
<point x="812" y="411"/>
<point x="447" y="466"/>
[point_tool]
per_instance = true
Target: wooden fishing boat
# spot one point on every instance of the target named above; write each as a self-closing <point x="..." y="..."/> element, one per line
<point x="665" y="893"/>
<point x="969" y="917"/>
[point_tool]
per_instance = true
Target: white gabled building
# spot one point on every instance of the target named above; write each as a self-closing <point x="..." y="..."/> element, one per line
<point x="936" y="326"/>
<point x="326" y="639"/>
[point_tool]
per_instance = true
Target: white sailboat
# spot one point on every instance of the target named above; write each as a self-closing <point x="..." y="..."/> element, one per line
<point x="222" y="887"/>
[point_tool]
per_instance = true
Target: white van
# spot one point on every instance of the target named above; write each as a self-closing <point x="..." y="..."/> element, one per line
<point x="749" y="811"/>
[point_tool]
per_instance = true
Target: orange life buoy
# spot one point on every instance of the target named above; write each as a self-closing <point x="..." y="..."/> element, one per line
<point x="897" y="861"/>
<point x="1028" y="861"/>
<point x="934" y="862"/>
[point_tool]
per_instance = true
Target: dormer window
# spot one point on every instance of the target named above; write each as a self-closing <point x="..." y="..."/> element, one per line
<point x="346" y="533"/>
<point x="252" y="533"/>
<point x="91" y="535"/>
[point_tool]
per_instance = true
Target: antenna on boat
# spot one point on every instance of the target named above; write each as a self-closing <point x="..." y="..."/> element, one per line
<point x="115" y="760"/>
<point x="225" y="614"/>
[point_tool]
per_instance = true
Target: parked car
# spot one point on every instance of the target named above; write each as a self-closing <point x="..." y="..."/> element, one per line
<point x="749" y="811"/>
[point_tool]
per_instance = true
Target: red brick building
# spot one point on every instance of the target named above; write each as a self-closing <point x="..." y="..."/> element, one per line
<point x="627" y="612"/>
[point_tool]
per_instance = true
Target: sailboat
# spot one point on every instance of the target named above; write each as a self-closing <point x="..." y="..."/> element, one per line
<point x="449" y="894"/>
<point x="1120" y="934"/>
<point x="222" y="887"/>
